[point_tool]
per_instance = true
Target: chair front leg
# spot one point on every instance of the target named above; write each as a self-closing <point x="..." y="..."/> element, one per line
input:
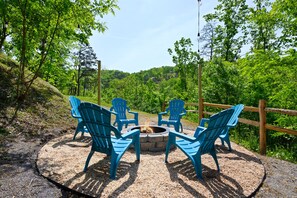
<point x="171" y="141"/>
<point x="75" y="133"/>
<point x="167" y="151"/>
<point x="136" y="143"/>
<point x="159" y="119"/>
<point x="88" y="160"/>
<point x="214" y="156"/>
<point x="136" y="119"/>
<point x="176" y="127"/>
<point x="120" y="126"/>
<point x="197" y="164"/>
<point x="113" y="165"/>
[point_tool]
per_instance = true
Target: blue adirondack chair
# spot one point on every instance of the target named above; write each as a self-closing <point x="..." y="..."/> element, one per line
<point x="98" y="122"/>
<point x="176" y="111"/>
<point x="119" y="109"/>
<point x="224" y="136"/>
<point x="75" y="102"/>
<point x="204" y="143"/>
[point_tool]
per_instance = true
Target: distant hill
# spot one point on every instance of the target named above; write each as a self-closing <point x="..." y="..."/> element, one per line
<point x="157" y="74"/>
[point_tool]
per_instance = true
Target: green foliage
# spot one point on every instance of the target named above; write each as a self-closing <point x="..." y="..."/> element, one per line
<point x="43" y="33"/>
<point x="284" y="12"/>
<point x="271" y="77"/>
<point x="145" y="90"/>
<point x="283" y="152"/>
<point x="221" y="82"/>
<point x="228" y="40"/>
<point x="186" y="61"/>
<point x="246" y="135"/>
<point x="44" y="109"/>
<point x="262" y="75"/>
<point x="7" y="75"/>
<point x="262" y="25"/>
<point x="108" y="75"/>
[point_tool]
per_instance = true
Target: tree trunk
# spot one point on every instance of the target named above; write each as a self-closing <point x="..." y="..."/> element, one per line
<point x="78" y="80"/>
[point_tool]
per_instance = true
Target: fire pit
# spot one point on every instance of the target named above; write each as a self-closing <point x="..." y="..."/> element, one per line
<point x="152" y="138"/>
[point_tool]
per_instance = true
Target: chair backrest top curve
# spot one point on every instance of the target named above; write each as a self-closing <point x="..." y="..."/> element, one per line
<point x="120" y="107"/>
<point x="74" y="102"/>
<point x="98" y="122"/>
<point x="217" y="123"/>
<point x="237" y="110"/>
<point x="175" y="108"/>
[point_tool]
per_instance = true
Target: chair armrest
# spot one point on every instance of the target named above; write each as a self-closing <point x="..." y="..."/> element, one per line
<point x="160" y="115"/>
<point x="132" y="112"/>
<point x="135" y="113"/>
<point x="199" y="129"/>
<point x="113" y="112"/>
<point x="131" y="133"/>
<point x="116" y="132"/>
<point x="183" y="136"/>
<point x="163" y="113"/>
<point x="203" y="121"/>
<point x="184" y="112"/>
<point x="233" y="124"/>
<point x="74" y="115"/>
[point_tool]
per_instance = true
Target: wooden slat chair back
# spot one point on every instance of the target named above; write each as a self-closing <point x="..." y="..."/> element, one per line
<point x="120" y="109"/>
<point x="204" y="143"/>
<point x="98" y="122"/>
<point x="175" y="110"/>
<point x="224" y="136"/>
<point x="75" y="102"/>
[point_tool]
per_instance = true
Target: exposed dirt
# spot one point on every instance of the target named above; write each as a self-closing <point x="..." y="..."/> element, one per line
<point x="19" y="176"/>
<point x="281" y="178"/>
<point x="18" y="173"/>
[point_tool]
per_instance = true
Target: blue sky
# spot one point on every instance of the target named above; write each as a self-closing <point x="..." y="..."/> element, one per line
<point x="141" y="32"/>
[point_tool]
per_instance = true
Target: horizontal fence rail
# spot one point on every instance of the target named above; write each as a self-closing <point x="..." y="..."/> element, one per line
<point x="262" y="110"/>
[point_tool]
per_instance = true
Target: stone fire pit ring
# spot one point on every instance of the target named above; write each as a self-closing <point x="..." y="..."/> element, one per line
<point x="155" y="141"/>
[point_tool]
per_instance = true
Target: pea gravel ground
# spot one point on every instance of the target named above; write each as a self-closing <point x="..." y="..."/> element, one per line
<point x="19" y="176"/>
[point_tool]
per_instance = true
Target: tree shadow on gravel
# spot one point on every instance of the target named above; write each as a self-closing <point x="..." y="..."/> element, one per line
<point x="96" y="178"/>
<point x="212" y="180"/>
<point x="83" y="141"/>
<point x="237" y="154"/>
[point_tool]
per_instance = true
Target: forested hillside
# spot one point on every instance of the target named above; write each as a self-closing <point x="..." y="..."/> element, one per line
<point x="259" y="76"/>
<point x="51" y="41"/>
<point x="45" y="108"/>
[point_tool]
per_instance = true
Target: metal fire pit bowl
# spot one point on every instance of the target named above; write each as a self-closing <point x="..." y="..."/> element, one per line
<point x="155" y="141"/>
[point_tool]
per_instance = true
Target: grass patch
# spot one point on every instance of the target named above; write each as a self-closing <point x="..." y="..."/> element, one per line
<point x="284" y="149"/>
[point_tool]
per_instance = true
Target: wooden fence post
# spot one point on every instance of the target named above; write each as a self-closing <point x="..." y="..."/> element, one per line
<point x="99" y="82"/>
<point x="200" y="109"/>
<point x="200" y="99"/>
<point x="262" y="114"/>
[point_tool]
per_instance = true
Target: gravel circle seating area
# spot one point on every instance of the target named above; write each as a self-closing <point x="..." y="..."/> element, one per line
<point x="62" y="161"/>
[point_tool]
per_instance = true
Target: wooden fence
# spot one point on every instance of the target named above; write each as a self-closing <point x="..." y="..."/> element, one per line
<point x="261" y="110"/>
